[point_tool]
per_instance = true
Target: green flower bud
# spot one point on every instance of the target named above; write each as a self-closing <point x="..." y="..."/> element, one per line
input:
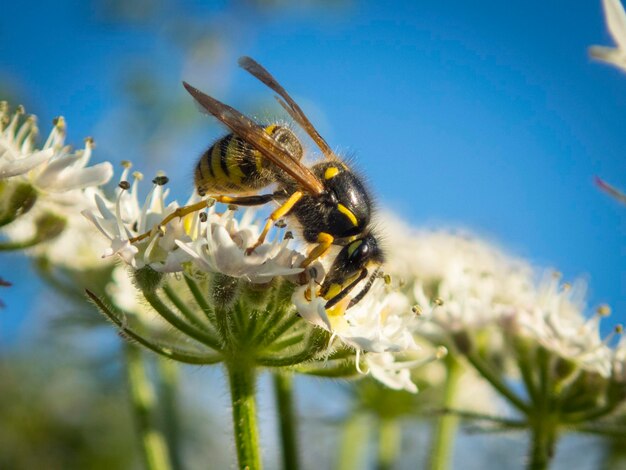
<point x="49" y="226"/>
<point x="147" y="279"/>
<point x="19" y="199"/>
<point x="223" y="290"/>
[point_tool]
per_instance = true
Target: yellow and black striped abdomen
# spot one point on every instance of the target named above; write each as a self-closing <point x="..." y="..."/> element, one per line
<point x="232" y="166"/>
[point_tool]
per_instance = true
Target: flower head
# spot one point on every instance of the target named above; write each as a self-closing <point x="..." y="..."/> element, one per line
<point x="555" y="320"/>
<point x="378" y="326"/>
<point x="219" y="245"/>
<point x="43" y="191"/>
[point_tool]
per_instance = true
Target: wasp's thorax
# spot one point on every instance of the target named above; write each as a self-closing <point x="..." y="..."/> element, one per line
<point x="343" y="210"/>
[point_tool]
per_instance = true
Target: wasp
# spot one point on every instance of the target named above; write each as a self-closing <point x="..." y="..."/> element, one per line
<point x="329" y="201"/>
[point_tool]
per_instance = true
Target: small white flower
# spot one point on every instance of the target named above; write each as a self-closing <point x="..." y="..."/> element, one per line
<point x="378" y="323"/>
<point x="124" y="219"/>
<point x="378" y="326"/>
<point x="51" y="169"/>
<point x="395" y="374"/>
<point x="616" y="23"/>
<point x="220" y="244"/>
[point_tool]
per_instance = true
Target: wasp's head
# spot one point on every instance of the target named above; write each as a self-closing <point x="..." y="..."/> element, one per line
<point x="354" y="262"/>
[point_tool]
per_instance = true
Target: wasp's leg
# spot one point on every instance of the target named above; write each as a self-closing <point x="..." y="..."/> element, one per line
<point x="279" y="213"/>
<point x="256" y="200"/>
<point x="365" y="289"/>
<point x="324" y="241"/>
<point x="178" y="213"/>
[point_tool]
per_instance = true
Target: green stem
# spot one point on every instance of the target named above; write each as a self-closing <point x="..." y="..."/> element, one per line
<point x="354" y="439"/>
<point x="199" y="298"/>
<point x="543" y="439"/>
<point x="283" y="392"/>
<point x="182" y="306"/>
<point x="389" y="437"/>
<point x="168" y="384"/>
<point x="154" y="448"/>
<point x="168" y="315"/>
<point x="166" y="350"/>
<point x="497" y="383"/>
<point x="242" y="379"/>
<point x="447" y="424"/>
<point x="22" y="245"/>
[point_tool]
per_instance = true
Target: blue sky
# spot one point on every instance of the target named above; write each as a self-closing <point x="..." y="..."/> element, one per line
<point x="487" y="116"/>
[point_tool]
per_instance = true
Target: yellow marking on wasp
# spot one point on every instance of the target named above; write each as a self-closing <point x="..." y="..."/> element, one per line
<point x="270" y="129"/>
<point x="216" y="165"/>
<point x="333" y="291"/>
<point x="274" y="216"/>
<point x="348" y="213"/>
<point x="224" y="199"/>
<point x="258" y="160"/>
<point x="331" y="172"/>
<point x="353" y="246"/>
<point x="325" y="240"/>
<point x="236" y="175"/>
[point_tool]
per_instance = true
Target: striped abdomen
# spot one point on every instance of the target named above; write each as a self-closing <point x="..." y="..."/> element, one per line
<point x="231" y="165"/>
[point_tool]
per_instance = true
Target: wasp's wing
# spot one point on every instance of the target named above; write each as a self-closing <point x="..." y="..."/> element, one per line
<point x="288" y="104"/>
<point x="252" y="133"/>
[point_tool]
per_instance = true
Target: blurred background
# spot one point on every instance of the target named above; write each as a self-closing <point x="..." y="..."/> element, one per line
<point x="484" y="116"/>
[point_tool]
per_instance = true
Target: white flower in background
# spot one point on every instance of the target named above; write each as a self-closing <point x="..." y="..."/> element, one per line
<point x="616" y="23"/>
<point x="619" y="361"/>
<point x="395" y="374"/>
<point x="556" y="321"/>
<point x="220" y="243"/>
<point x="473" y="282"/>
<point x="51" y="169"/>
<point x="63" y="183"/>
<point x="78" y="246"/>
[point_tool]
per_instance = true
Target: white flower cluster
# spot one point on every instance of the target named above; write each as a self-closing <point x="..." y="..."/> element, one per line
<point x="556" y="321"/>
<point x="51" y="169"/>
<point x="379" y="326"/>
<point x="458" y="282"/>
<point x="62" y="181"/>
<point x="461" y="284"/>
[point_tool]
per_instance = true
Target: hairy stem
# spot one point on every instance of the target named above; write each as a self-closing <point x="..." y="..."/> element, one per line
<point x="354" y="439"/>
<point x="168" y="388"/>
<point x="447" y="424"/>
<point x="542" y="442"/>
<point x="143" y="401"/>
<point x="283" y="393"/>
<point x="241" y="376"/>
<point x="388" y="443"/>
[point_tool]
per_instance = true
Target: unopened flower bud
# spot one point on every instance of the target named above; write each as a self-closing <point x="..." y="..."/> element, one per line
<point x="147" y="279"/>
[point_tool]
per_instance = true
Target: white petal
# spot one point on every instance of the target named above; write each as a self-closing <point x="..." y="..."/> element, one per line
<point x="616" y="21"/>
<point x="24" y="164"/>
